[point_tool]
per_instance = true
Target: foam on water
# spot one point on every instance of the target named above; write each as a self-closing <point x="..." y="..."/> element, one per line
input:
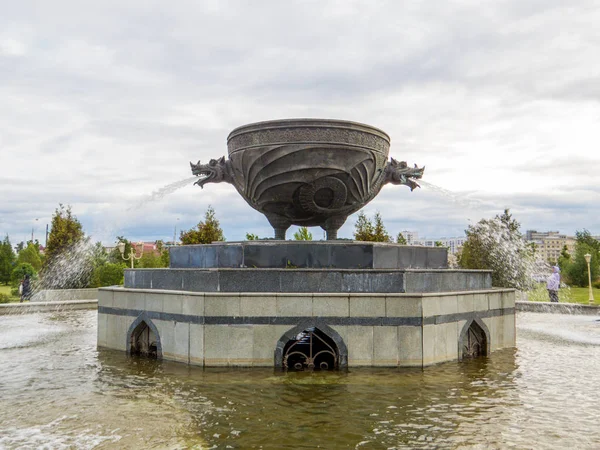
<point x="573" y="329"/>
<point x="53" y="435"/>
<point x="18" y="332"/>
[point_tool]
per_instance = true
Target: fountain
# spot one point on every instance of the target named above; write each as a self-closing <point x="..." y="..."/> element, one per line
<point x="307" y="172"/>
<point x="59" y="390"/>
<point x="300" y="305"/>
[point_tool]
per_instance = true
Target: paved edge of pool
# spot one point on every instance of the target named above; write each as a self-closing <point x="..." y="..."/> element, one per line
<point x="34" y="307"/>
<point x="543" y="307"/>
<point x="558" y="308"/>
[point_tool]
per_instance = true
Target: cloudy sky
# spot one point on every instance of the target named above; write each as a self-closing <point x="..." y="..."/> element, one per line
<point x="104" y="103"/>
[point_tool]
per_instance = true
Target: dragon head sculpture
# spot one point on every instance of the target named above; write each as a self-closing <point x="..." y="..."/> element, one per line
<point x="216" y="171"/>
<point x="398" y="172"/>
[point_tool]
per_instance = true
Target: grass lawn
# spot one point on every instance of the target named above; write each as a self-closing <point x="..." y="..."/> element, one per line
<point x="566" y="295"/>
<point x="6" y="290"/>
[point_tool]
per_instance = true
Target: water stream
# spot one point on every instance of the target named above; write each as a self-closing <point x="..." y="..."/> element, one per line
<point x="57" y="390"/>
<point x="77" y="263"/>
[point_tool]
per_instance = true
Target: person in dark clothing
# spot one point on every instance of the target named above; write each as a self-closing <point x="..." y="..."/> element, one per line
<point x="553" y="284"/>
<point x="26" y="294"/>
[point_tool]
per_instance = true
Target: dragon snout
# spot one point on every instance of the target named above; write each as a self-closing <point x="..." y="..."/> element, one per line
<point x="416" y="172"/>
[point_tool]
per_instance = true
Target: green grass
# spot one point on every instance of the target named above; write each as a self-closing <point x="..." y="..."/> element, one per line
<point x="566" y="295"/>
<point x="6" y="290"/>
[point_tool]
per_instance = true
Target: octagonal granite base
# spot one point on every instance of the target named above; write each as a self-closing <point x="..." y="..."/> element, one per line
<point x="250" y="329"/>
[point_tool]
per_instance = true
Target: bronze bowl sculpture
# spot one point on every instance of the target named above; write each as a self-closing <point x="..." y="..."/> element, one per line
<point x="307" y="172"/>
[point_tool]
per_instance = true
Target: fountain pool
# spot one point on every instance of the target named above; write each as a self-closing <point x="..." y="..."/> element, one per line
<point x="57" y="390"/>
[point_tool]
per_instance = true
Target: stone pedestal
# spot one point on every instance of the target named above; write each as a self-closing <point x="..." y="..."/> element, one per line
<point x="400" y="309"/>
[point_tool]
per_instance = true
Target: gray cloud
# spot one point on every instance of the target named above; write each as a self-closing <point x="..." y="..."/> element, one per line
<point x="105" y="103"/>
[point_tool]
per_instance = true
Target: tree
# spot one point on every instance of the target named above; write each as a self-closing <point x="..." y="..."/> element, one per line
<point x="115" y="255"/>
<point x="20" y="271"/>
<point x="252" y="237"/>
<point x="164" y="253"/>
<point x="19" y="247"/>
<point x="7" y="260"/>
<point x="150" y="260"/>
<point x="365" y="230"/>
<point x="31" y="255"/>
<point x="303" y="234"/>
<point x="69" y="254"/>
<point x="206" y="231"/>
<point x="564" y="260"/>
<point x="400" y="239"/>
<point x="66" y="232"/>
<point x="438" y="244"/>
<point x="108" y="274"/>
<point x="576" y="271"/>
<point x="498" y="245"/>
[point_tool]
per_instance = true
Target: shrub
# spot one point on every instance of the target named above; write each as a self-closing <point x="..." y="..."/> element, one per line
<point x="108" y="274"/>
<point x="20" y="271"/>
<point x="4" y="298"/>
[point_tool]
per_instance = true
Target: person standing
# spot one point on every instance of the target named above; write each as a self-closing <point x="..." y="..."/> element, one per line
<point x="26" y="293"/>
<point x="553" y="284"/>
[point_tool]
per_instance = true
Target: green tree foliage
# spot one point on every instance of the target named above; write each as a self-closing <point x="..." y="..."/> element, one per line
<point x="115" y="255"/>
<point x="31" y="255"/>
<point x="108" y="274"/>
<point x="20" y="246"/>
<point x="303" y="234"/>
<point x="105" y="271"/>
<point x="252" y="237"/>
<point x="370" y="231"/>
<point x="564" y="259"/>
<point x="150" y="260"/>
<point x="498" y="245"/>
<point x="206" y="231"/>
<point x="400" y="239"/>
<point x="438" y="243"/>
<point x="576" y="270"/>
<point x="66" y="232"/>
<point x="20" y="271"/>
<point x="164" y="253"/>
<point x="7" y="260"/>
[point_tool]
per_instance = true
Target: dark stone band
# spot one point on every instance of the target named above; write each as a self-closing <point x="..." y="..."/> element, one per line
<point x="291" y="320"/>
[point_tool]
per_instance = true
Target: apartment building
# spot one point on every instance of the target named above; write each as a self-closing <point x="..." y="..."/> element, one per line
<point x="453" y="243"/>
<point x="549" y="244"/>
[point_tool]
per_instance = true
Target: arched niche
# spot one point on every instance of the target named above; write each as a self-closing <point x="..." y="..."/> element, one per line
<point x="474" y="340"/>
<point x="312" y="345"/>
<point x="143" y="338"/>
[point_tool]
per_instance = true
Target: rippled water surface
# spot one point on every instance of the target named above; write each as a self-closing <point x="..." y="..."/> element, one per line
<point x="58" y="391"/>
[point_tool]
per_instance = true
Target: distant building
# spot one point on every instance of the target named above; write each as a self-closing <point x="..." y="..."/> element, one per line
<point x="453" y="243"/>
<point x="149" y="247"/>
<point x="410" y="236"/>
<point x="549" y="244"/>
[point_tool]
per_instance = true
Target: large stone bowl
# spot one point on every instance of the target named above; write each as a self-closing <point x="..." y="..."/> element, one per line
<point x="306" y="172"/>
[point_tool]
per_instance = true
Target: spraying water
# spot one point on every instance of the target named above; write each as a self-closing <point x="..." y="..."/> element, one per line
<point x="159" y="194"/>
<point x="74" y="268"/>
<point x="460" y="200"/>
<point x="515" y="264"/>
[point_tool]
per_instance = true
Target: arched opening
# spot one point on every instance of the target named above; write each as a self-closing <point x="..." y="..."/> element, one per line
<point x="474" y="342"/>
<point x="143" y="341"/>
<point x="310" y="350"/>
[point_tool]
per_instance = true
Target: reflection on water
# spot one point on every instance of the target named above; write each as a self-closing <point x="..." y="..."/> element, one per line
<point x="57" y="390"/>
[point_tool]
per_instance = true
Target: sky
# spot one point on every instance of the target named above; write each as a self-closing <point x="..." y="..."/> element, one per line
<point x="105" y="103"/>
